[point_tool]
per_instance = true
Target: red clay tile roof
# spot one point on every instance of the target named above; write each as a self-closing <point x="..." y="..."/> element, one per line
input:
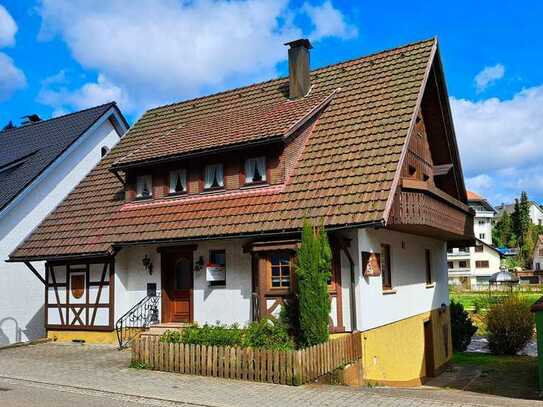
<point x="472" y="196"/>
<point x="225" y="128"/>
<point x="344" y="174"/>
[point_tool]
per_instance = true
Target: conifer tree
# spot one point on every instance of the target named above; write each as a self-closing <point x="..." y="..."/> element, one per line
<point x="313" y="269"/>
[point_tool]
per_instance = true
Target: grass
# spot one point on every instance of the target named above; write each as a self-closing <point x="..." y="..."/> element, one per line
<point x="508" y="376"/>
<point x="470" y="299"/>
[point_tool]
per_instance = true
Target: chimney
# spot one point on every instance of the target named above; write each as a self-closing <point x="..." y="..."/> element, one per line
<point x="298" y="68"/>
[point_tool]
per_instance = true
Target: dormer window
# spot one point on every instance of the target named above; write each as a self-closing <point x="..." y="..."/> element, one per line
<point x="144" y="186"/>
<point x="214" y="176"/>
<point x="178" y="181"/>
<point x="255" y="170"/>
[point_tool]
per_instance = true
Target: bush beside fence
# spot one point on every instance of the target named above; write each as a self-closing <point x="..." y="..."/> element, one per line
<point x="285" y="367"/>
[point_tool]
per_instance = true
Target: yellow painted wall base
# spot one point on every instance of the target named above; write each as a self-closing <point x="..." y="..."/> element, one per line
<point x="394" y="354"/>
<point x="90" y="337"/>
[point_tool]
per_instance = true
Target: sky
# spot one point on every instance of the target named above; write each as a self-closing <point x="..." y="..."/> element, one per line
<point x="60" y="56"/>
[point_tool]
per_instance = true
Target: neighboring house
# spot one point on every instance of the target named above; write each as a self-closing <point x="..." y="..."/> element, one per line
<point x="40" y="163"/>
<point x="472" y="267"/>
<point x="203" y="201"/>
<point x="537" y="262"/>
<point x="536" y="213"/>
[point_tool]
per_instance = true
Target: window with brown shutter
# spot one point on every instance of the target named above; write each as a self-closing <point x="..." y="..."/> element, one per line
<point x="428" y="261"/>
<point x="481" y="264"/>
<point x="386" y="272"/>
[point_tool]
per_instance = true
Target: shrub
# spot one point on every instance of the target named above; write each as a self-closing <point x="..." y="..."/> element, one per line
<point x="209" y="335"/>
<point x="510" y="325"/>
<point x="268" y="333"/>
<point x="462" y="328"/>
<point x="312" y="273"/>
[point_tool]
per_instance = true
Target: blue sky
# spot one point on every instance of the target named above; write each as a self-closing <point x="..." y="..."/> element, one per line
<point x="58" y="56"/>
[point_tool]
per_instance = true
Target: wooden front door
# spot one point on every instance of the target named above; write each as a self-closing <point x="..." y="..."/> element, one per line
<point x="177" y="284"/>
<point x="429" y="349"/>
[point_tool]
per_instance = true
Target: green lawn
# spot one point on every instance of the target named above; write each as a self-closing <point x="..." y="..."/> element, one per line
<point x="471" y="300"/>
<point x="509" y="376"/>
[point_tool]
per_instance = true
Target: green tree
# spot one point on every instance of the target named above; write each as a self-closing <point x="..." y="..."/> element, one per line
<point x="502" y="232"/>
<point x="313" y="269"/>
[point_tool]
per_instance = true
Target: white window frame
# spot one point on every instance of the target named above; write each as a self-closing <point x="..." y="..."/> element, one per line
<point x="250" y="164"/>
<point x="140" y="182"/>
<point x="172" y="179"/>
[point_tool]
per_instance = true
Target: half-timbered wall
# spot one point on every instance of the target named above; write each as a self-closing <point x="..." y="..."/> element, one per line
<point x="80" y="295"/>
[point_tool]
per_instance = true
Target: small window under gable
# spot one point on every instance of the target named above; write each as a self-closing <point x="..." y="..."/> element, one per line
<point x="178" y="182"/>
<point x="255" y="170"/>
<point x="144" y="186"/>
<point x="213" y="176"/>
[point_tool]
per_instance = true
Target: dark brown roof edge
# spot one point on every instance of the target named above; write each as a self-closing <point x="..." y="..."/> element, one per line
<point x="116" y="247"/>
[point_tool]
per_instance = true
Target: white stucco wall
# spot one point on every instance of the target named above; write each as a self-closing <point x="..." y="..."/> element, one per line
<point x="482" y="228"/>
<point x="536" y="214"/>
<point x="21" y="293"/>
<point x="411" y="295"/>
<point x="231" y="303"/>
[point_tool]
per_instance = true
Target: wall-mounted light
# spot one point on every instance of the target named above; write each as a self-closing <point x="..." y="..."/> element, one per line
<point x="199" y="264"/>
<point x="147" y="264"/>
<point x="443" y="308"/>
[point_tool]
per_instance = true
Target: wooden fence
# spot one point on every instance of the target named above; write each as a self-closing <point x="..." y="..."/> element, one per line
<point x="285" y="367"/>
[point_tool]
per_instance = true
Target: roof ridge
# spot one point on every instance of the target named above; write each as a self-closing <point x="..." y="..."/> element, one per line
<point x="113" y="103"/>
<point x="253" y="85"/>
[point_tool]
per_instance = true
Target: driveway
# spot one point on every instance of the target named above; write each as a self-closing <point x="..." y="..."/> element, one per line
<point x="101" y="371"/>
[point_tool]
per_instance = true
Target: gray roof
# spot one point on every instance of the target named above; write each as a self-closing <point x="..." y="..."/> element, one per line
<point x="26" y="151"/>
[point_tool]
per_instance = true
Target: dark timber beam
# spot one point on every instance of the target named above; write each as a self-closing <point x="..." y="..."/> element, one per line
<point x="33" y="270"/>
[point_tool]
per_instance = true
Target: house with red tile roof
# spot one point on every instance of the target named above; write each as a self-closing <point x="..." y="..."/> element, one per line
<point x="195" y="216"/>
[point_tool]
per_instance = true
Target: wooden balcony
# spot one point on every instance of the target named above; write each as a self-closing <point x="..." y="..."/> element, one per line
<point x="423" y="209"/>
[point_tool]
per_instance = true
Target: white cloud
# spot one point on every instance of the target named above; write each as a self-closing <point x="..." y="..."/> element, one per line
<point x="11" y="77"/>
<point x="8" y="28"/>
<point x="168" y="50"/>
<point x="90" y="94"/>
<point x="328" y="22"/>
<point x="488" y="76"/>
<point x="501" y="143"/>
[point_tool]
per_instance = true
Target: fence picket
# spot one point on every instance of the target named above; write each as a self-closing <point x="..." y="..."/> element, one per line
<point x="285" y="367"/>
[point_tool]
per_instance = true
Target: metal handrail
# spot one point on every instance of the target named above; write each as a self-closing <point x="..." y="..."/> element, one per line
<point x="139" y="317"/>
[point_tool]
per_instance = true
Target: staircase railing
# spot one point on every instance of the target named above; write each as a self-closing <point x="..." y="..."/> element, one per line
<point x="139" y="317"/>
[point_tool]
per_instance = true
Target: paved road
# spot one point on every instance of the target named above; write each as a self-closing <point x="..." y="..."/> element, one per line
<point x="98" y="376"/>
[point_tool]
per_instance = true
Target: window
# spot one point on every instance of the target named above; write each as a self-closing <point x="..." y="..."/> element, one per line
<point x="144" y="186"/>
<point x="539" y="221"/>
<point x="481" y="236"/>
<point x="386" y="273"/>
<point x="479" y="248"/>
<point x="462" y="264"/>
<point x="538" y="266"/>
<point x="103" y="151"/>
<point x="540" y="251"/>
<point x="178" y="181"/>
<point x="481" y="264"/>
<point x="255" y="170"/>
<point x="279" y="270"/>
<point x="218" y="257"/>
<point x="213" y="176"/>
<point x="428" y="261"/>
<point x="449" y="250"/>
<point x="450" y="264"/>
